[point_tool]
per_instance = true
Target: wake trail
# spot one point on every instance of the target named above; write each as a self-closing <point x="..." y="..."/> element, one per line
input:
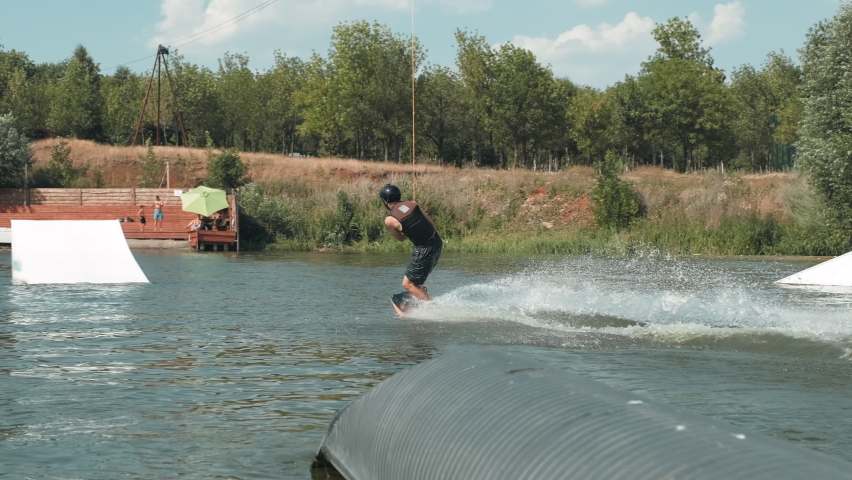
<point x="653" y="297"/>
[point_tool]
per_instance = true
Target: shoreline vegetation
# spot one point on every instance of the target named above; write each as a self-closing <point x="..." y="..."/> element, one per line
<point x="680" y="157"/>
<point x="303" y="204"/>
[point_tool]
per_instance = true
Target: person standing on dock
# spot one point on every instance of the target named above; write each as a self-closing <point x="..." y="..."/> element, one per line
<point x="141" y="217"/>
<point x="408" y="220"/>
<point x="158" y="214"/>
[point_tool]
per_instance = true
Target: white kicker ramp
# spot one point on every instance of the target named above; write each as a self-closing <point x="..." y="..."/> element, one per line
<point x="72" y="251"/>
<point x="834" y="272"/>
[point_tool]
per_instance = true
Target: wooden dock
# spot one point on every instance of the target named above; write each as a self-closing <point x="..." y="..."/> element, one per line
<point x="212" y="240"/>
<point x="112" y="204"/>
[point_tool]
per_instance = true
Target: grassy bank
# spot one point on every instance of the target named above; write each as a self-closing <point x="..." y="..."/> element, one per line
<point x="315" y="203"/>
<point x="527" y="212"/>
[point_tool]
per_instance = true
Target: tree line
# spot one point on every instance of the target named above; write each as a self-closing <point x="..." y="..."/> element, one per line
<point x="498" y="107"/>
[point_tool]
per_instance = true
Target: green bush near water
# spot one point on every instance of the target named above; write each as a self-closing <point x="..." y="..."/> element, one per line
<point x="614" y="199"/>
<point x="307" y="216"/>
<point x="281" y="224"/>
<point x="278" y="224"/>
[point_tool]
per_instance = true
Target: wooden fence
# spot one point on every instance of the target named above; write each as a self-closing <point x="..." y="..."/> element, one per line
<point x="86" y="196"/>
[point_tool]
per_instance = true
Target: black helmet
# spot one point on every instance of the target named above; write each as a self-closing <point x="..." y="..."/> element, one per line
<point x="390" y="193"/>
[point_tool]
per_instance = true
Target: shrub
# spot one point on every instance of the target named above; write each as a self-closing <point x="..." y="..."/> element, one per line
<point x="61" y="172"/>
<point x="151" y="167"/>
<point x="614" y="200"/>
<point x="98" y="178"/>
<point x="336" y="228"/>
<point x="225" y="170"/>
<point x="263" y="220"/>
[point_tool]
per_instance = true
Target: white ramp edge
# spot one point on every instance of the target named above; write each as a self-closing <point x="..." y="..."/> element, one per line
<point x="5" y="235"/>
<point x="72" y="251"/>
<point x="835" y="272"/>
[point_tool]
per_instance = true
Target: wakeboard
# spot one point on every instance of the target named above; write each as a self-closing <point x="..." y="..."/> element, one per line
<point x="402" y="302"/>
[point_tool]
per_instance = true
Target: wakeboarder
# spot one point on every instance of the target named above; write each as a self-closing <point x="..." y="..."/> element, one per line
<point x="408" y="221"/>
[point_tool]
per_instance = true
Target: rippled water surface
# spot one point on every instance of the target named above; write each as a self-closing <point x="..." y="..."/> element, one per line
<point x="233" y="366"/>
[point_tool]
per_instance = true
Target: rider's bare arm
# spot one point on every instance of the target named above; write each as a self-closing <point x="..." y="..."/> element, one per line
<point x="395" y="228"/>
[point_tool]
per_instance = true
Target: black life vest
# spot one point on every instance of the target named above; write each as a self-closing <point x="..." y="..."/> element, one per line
<point x="415" y="227"/>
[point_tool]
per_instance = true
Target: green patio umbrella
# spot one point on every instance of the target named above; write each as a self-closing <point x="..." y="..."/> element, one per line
<point x="204" y="200"/>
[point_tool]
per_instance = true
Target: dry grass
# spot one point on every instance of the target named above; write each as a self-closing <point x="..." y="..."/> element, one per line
<point x="559" y="200"/>
<point x="119" y="164"/>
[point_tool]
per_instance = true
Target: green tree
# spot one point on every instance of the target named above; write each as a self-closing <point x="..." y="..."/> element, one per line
<point x="22" y="92"/>
<point x="753" y="121"/>
<point x="76" y="100"/>
<point x="629" y="128"/>
<point x="323" y="120"/>
<point x="440" y="116"/>
<point x="238" y="100"/>
<point x="614" y="200"/>
<point x="283" y="110"/>
<point x="123" y="93"/>
<point x="358" y="100"/>
<point x="523" y="108"/>
<point x="37" y="93"/>
<point x="686" y="98"/>
<point x="784" y="79"/>
<point x="196" y="88"/>
<point x="767" y="112"/>
<point x="373" y="82"/>
<point x="557" y="141"/>
<point x="590" y="121"/>
<point x="18" y="99"/>
<point x="474" y="61"/>
<point x="825" y="145"/>
<point x="10" y="63"/>
<point x="15" y="155"/>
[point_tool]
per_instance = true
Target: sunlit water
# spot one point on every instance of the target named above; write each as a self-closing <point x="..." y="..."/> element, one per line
<point x="233" y="366"/>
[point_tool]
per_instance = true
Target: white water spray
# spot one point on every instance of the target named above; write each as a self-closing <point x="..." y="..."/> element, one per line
<point x="658" y="297"/>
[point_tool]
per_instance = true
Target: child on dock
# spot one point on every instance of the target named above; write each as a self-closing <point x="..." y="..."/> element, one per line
<point x="141" y="217"/>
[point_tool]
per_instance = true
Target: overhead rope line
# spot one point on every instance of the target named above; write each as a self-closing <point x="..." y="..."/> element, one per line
<point x="413" y="148"/>
<point x="204" y="33"/>
<point x="244" y="14"/>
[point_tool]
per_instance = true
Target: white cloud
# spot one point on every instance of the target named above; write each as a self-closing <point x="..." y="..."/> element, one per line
<point x="604" y="37"/>
<point x="183" y="18"/>
<point x="728" y="23"/>
<point x="584" y="52"/>
<point x="604" y="53"/>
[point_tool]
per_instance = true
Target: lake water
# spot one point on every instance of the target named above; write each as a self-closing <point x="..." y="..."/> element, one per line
<point x="232" y="366"/>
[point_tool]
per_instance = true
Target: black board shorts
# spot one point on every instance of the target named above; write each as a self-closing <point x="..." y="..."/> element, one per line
<point x="424" y="259"/>
<point x="142" y="220"/>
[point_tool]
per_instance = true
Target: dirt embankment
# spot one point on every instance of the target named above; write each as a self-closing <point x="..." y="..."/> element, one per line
<point x="549" y="200"/>
<point x="120" y="165"/>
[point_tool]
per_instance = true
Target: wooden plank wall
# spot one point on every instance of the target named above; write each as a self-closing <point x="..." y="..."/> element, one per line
<point x="86" y="196"/>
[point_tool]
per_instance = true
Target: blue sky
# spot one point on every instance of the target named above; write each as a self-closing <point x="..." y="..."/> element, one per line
<point x="593" y="42"/>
